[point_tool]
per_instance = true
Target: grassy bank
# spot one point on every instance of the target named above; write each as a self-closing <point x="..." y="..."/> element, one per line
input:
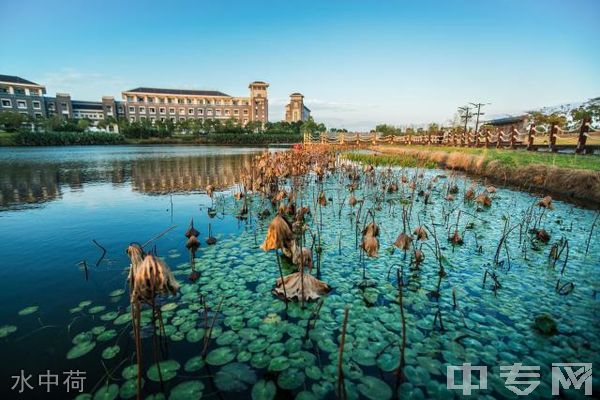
<point x="567" y="175"/>
<point x="104" y="138"/>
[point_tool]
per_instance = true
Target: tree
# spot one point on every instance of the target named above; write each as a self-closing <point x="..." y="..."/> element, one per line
<point x="590" y="109"/>
<point x="83" y="125"/>
<point x="12" y="121"/>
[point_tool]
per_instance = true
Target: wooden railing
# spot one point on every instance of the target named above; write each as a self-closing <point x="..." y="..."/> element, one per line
<point x="583" y="139"/>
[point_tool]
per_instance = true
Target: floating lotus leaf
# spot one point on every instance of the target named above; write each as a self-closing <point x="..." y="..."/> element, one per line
<point x="195" y="335"/>
<point x="75" y="310"/>
<point x="83" y="337"/>
<point x="168" y="307"/>
<point x="110" y="352"/>
<point x="374" y="388"/>
<point x="264" y="390"/>
<point x="96" y="309"/>
<point x="370" y="295"/>
<point x="187" y="326"/>
<point x="305" y="395"/>
<point x="313" y="372"/>
<point x="177" y="336"/>
<point x="129" y="389"/>
<point x="117" y="292"/>
<point x="107" y="392"/>
<point x="220" y="356"/>
<point x="227" y="338"/>
<point x="187" y="390"/>
<point x="106" y="335"/>
<point x="275" y="349"/>
<point x="85" y="303"/>
<point x="28" y="310"/>
<point x="84" y="396"/>
<point x="235" y="377"/>
<point x="388" y="362"/>
<point x="290" y="379"/>
<point x="364" y="357"/>
<point x="248" y="334"/>
<point x="194" y="364"/>
<point x="156" y="396"/>
<point x="279" y="364"/>
<point x="122" y="319"/>
<point x="80" y="349"/>
<point x="6" y="330"/>
<point x="302" y="359"/>
<point x="258" y="345"/>
<point x="109" y="316"/>
<point x="168" y="369"/>
<point x="260" y="360"/>
<point x="244" y="356"/>
<point x="98" y="329"/>
<point x="130" y="372"/>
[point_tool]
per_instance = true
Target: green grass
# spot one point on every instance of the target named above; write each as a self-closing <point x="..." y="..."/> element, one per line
<point x="517" y="158"/>
<point x="390" y="160"/>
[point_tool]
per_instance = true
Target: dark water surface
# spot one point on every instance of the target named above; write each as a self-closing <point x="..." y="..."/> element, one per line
<point x="55" y="201"/>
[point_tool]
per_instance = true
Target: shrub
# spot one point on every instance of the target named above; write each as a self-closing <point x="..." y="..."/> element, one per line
<point x="67" y="138"/>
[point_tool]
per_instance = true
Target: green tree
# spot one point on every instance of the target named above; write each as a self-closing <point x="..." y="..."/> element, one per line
<point x="11" y="121"/>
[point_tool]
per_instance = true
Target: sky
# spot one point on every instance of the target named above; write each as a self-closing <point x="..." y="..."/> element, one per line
<point x="358" y="63"/>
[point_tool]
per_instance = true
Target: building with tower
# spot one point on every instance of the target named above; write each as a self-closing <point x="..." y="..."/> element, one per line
<point x="295" y="110"/>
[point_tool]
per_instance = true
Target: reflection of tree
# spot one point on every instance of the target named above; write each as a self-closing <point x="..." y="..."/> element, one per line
<point x="184" y="174"/>
<point x="34" y="182"/>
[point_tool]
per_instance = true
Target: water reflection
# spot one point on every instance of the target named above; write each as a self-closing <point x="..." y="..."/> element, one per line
<point x="43" y="177"/>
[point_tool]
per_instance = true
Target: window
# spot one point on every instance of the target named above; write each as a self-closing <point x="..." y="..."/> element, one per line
<point x="6" y="103"/>
<point x="152" y="110"/>
<point x="209" y="112"/>
<point x="150" y="99"/>
<point x="182" y="111"/>
<point x="3" y="89"/>
<point x="37" y="105"/>
<point x="38" y="115"/>
<point x="142" y="109"/>
<point x="179" y="101"/>
<point x="21" y="104"/>
<point x="131" y="119"/>
<point x="236" y="112"/>
<point x="51" y="107"/>
<point x="33" y="92"/>
<point x="130" y="98"/>
<point x="245" y="120"/>
<point x="189" y="101"/>
<point x="140" y="99"/>
<point x="142" y="118"/>
<point x="171" y="111"/>
<point x="217" y="112"/>
<point x="108" y="109"/>
<point x="182" y="118"/>
<point x="161" y="110"/>
<point x="227" y="112"/>
<point x="170" y="101"/>
<point x="153" y="120"/>
<point x="190" y="111"/>
<point x="162" y="119"/>
<point x="203" y="101"/>
<point x="64" y="106"/>
<point x="200" y="111"/>
<point x="161" y="100"/>
<point x="245" y="112"/>
<point x="209" y="102"/>
<point x="19" y="91"/>
<point x="131" y="109"/>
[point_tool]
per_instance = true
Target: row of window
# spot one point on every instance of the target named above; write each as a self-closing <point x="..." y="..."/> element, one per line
<point x="163" y="100"/>
<point x="172" y="119"/>
<point x="190" y="111"/>
<point x="21" y="104"/>
<point x="20" y="91"/>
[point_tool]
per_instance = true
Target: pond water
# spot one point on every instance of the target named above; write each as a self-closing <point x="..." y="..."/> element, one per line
<point x="56" y="201"/>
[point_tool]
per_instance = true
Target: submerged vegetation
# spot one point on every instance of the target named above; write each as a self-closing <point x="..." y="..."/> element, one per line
<point x="346" y="281"/>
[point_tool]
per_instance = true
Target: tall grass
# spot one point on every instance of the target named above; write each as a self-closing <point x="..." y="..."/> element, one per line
<point x="398" y="160"/>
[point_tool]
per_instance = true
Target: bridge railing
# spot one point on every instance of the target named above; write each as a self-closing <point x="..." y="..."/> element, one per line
<point x="582" y="139"/>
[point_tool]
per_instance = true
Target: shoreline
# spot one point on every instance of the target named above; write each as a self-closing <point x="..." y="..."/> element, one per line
<point x="569" y="184"/>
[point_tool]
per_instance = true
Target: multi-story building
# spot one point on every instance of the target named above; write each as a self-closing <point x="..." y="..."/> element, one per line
<point x="155" y="104"/>
<point x="23" y="96"/>
<point x="295" y="110"/>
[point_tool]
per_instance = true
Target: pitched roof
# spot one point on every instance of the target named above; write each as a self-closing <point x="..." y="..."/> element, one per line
<point x="16" y="79"/>
<point x="183" y="92"/>
<point x="506" y="120"/>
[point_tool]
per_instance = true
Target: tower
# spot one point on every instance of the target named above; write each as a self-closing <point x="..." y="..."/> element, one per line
<point x="259" y="103"/>
<point x="295" y="110"/>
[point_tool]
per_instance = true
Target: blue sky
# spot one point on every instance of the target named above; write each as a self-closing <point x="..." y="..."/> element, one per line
<point x="357" y="62"/>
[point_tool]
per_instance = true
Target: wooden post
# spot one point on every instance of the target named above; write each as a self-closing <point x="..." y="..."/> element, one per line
<point x="410" y="138"/>
<point x="513" y="137"/>
<point x="585" y="128"/>
<point x="530" y="137"/>
<point x="499" y="138"/>
<point x="429" y="138"/>
<point x="487" y="137"/>
<point x="552" y="141"/>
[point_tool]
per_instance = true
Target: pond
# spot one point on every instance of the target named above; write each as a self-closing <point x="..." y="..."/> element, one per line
<point x="61" y="207"/>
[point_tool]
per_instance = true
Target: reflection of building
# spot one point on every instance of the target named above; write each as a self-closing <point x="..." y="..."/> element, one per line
<point x="187" y="174"/>
<point x="178" y="105"/>
<point x="20" y="184"/>
<point x="295" y="110"/>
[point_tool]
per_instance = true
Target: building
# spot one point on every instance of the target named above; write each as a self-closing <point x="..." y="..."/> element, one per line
<point x="23" y="96"/>
<point x="520" y="122"/>
<point x="295" y="110"/>
<point x="153" y="104"/>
